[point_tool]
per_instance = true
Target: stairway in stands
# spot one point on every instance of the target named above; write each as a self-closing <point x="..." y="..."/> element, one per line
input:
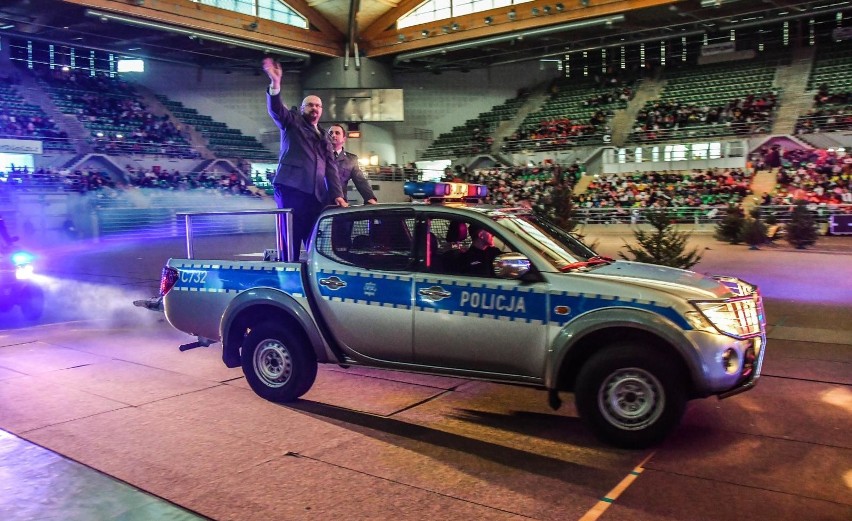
<point x="224" y="142"/>
<point x="623" y="120"/>
<point x="793" y="100"/>
<point x="156" y="106"/>
<point x="534" y="102"/>
<point x="78" y="135"/>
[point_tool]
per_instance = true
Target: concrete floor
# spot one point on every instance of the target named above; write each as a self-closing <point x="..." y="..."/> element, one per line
<point x="135" y="429"/>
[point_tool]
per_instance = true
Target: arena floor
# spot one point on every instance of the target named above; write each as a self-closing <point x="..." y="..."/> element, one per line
<point x="108" y="420"/>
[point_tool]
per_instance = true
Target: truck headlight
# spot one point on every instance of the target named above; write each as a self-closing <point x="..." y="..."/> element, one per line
<point x="24" y="272"/>
<point x="23" y="265"/>
<point x="737" y="317"/>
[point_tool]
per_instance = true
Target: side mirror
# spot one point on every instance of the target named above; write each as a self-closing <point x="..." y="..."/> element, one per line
<point x="511" y="265"/>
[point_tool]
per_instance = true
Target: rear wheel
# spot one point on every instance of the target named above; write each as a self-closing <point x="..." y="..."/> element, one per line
<point x="278" y="364"/>
<point x="32" y="302"/>
<point x="630" y="396"/>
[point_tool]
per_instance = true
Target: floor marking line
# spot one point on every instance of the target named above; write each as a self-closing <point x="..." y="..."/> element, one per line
<point x="600" y="507"/>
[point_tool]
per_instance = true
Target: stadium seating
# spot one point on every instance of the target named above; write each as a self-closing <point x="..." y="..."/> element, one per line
<point x="475" y="136"/>
<point x="831" y="77"/>
<point x="225" y="142"/>
<point x="115" y="115"/>
<point x="575" y="114"/>
<point x="734" y="98"/>
<point x="20" y="119"/>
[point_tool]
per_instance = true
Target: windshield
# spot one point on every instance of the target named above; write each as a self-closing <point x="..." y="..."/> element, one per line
<point x="562" y="249"/>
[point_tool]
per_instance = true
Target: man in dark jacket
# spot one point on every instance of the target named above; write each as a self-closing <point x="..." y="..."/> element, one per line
<point x="347" y="166"/>
<point x="306" y="179"/>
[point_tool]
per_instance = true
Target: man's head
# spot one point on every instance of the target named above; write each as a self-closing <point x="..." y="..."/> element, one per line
<point x="337" y="135"/>
<point x="312" y="109"/>
<point x="482" y="238"/>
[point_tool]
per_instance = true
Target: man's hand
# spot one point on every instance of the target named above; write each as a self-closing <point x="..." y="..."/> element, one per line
<point x="372" y="201"/>
<point x="341" y="202"/>
<point x="273" y="69"/>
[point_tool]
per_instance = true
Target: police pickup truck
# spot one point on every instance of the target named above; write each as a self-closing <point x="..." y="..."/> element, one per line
<point x="482" y="292"/>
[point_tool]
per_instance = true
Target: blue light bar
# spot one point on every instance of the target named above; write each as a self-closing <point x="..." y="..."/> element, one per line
<point x="442" y="190"/>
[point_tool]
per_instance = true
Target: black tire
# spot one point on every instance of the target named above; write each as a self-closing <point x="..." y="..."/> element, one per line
<point x="630" y="396"/>
<point x="278" y="364"/>
<point x="32" y="303"/>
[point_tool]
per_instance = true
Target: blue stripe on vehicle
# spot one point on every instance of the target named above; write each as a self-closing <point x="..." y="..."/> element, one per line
<point x="580" y="303"/>
<point x="237" y="278"/>
<point x="374" y="289"/>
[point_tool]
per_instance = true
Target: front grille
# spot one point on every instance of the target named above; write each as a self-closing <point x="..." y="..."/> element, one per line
<point x="749" y="314"/>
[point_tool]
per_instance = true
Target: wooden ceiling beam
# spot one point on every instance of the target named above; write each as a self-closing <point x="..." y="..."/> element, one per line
<point x="325" y="40"/>
<point x="474" y="26"/>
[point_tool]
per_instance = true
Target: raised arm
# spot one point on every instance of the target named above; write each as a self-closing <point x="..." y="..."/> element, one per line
<point x="277" y="111"/>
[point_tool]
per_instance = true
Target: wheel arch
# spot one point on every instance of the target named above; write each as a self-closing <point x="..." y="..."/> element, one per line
<point x="581" y="339"/>
<point x="262" y="305"/>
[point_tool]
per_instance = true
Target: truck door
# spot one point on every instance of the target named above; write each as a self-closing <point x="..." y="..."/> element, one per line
<point x="466" y="318"/>
<point x="360" y="271"/>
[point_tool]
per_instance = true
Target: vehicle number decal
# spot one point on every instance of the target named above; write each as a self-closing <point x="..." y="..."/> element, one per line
<point x="193" y="276"/>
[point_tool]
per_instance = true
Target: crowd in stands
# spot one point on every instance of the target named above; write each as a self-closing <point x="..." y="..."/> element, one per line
<point x="749" y="115"/>
<point x="120" y="122"/>
<point x="831" y="112"/>
<point x="560" y="132"/>
<point x="710" y="188"/>
<point x="16" y="124"/>
<point x="525" y="186"/>
<point x="93" y="180"/>
<point x="818" y="176"/>
<point x="233" y="183"/>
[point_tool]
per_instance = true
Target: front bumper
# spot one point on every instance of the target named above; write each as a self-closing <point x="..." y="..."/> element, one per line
<point x="750" y="380"/>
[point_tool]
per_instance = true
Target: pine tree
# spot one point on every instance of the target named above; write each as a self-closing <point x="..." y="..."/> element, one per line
<point x="561" y="207"/>
<point x="729" y="230"/>
<point x="801" y="230"/>
<point x="664" y="245"/>
<point x="753" y="231"/>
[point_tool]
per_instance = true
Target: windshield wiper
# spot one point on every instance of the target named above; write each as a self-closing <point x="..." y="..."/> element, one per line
<point x="597" y="260"/>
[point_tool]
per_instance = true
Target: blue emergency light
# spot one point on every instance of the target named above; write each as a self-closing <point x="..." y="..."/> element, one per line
<point x="441" y="190"/>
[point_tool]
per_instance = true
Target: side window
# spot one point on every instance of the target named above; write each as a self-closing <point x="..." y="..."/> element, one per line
<point x="374" y="241"/>
<point x="460" y="247"/>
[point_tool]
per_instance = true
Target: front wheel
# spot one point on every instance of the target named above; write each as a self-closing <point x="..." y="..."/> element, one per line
<point x="630" y="396"/>
<point x="277" y="363"/>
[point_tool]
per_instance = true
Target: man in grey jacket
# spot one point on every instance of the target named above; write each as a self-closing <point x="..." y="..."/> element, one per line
<point x="306" y="179"/>
<point x="347" y="165"/>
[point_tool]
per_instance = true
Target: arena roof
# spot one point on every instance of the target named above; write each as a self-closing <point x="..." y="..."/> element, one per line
<point x="188" y="32"/>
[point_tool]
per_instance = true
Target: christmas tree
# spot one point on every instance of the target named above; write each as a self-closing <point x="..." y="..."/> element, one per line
<point x="753" y="231"/>
<point x="664" y="245"/>
<point x="729" y="230"/>
<point x="801" y="230"/>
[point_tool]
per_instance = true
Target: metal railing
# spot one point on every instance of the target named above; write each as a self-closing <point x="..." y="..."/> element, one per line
<point x="701" y="215"/>
<point x="283" y="221"/>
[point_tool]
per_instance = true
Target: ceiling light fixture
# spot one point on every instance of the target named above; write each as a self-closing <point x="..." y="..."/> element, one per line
<point x="246" y="44"/>
<point x="512" y="14"/>
<point x="488" y="20"/>
<point x="560" y="7"/>
<point x="7" y="26"/>
<point x="470" y="44"/>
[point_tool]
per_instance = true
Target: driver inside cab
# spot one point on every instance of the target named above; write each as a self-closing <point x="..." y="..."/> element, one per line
<point x="478" y="260"/>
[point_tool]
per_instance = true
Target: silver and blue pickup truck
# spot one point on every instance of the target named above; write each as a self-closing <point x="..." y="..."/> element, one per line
<point x="402" y="287"/>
